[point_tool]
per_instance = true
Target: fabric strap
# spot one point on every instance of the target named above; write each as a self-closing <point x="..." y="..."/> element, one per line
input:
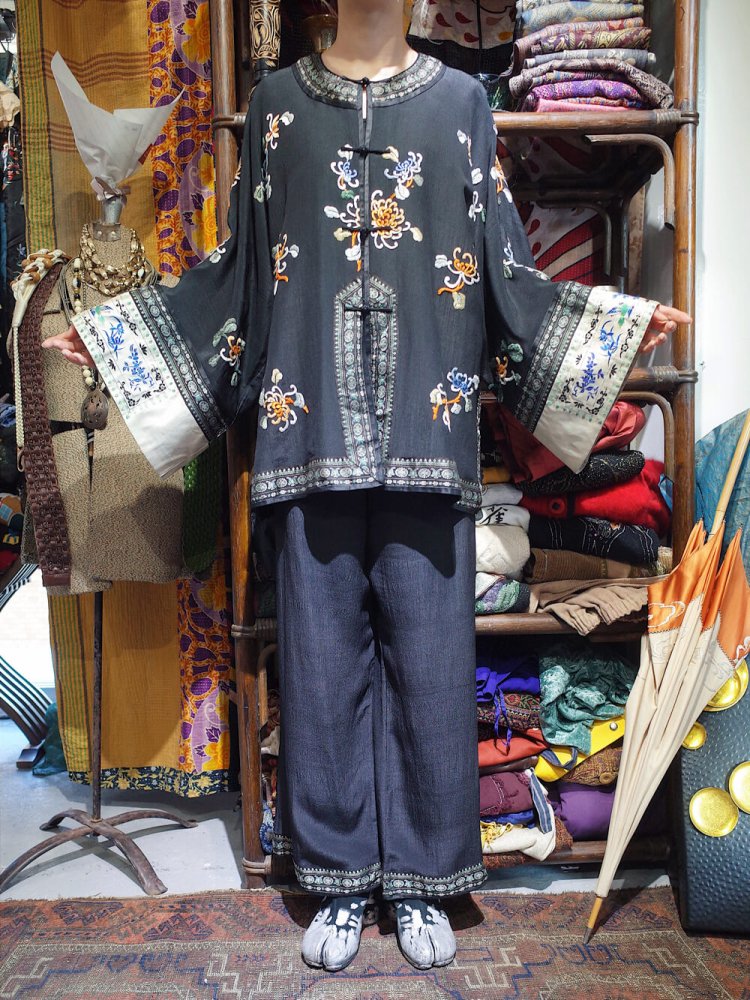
<point x="44" y="498"/>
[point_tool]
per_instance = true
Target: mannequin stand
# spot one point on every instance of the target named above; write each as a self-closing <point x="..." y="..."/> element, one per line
<point x="92" y="823"/>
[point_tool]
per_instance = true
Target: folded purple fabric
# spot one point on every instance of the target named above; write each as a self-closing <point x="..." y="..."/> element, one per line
<point x="506" y="673"/>
<point x="507" y="792"/>
<point x="586" y="810"/>
<point x="611" y="90"/>
<point x="651" y="91"/>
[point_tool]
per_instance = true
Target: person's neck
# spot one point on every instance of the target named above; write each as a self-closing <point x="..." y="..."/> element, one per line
<point x="369" y="40"/>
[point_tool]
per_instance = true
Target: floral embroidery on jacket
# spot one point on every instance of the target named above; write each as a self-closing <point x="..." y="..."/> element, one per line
<point x="406" y="173"/>
<point x="280" y="404"/>
<point x="509" y="262"/>
<point x="463" y="387"/>
<point x="388" y="221"/>
<point x="463" y="270"/>
<point x="280" y="252"/>
<point x="476" y="209"/>
<point x="465" y="140"/>
<point x="501" y="368"/>
<point x="501" y="184"/>
<point x="270" y="141"/>
<point x="232" y="352"/>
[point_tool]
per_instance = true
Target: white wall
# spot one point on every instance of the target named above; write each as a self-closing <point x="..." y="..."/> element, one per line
<point x="723" y="219"/>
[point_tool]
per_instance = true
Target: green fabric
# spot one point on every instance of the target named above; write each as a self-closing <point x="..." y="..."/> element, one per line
<point x="54" y="759"/>
<point x="579" y="684"/>
<point x="201" y="509"/>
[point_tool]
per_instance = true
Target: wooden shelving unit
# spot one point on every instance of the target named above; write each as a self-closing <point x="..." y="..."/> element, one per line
<point x="637" y="145"/>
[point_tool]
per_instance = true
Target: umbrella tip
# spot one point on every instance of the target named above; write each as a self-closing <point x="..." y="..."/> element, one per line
<point x="593" y="917"/>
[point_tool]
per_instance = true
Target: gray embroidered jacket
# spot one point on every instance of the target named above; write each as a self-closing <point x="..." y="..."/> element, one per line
<point x="376" y="271"/>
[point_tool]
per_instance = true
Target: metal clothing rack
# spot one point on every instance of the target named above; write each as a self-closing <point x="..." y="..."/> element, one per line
<point x="246" y="33"/>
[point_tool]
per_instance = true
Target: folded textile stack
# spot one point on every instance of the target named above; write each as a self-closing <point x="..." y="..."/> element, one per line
<point x="502" y="551"/>
<point x="584" y="55"/>
<point x="600" y="526"/>
<point x="508" y="698"/>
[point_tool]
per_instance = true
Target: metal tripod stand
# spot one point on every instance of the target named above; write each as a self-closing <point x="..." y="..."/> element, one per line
<point x="92" y="823"/>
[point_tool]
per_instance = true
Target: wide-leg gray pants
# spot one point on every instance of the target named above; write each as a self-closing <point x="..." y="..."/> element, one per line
<point x="378" y="777"/>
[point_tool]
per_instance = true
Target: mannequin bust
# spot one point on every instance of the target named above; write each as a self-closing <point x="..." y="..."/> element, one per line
<point x="133" y="533"/>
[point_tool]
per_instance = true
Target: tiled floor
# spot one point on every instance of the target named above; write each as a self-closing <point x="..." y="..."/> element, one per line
<point x="206" y="857"/>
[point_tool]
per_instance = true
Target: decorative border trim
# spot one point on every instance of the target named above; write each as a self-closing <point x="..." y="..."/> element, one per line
<point x="348" y="352"/>
<point x="294" y="481"/>
<point x="341" y="881"/>
<point x="321" y="83"/>
<point x="159" y="777"/>
<point x="162" y="397"/>
<point x="281" y="844"/>
<point x="189" y="379"/>
<point x="401" y="884"/>
<point x="433" y="473"/>
<point x="560" y="324"/>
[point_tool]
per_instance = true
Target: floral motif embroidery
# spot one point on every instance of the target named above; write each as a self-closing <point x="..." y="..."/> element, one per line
<point x="591" y="373"/>
<point x="476" y="209"/>
<point x="463" y="270"/>
<point x="501" y="368"/>
<point x="509" y="262"/>
<point x="609" y="337"/>
<point x="280" y="252"/>
<point x="501" y="184"/>
<point x="114" y="331"/>
<point x="270" y="141"/>
<point x="280" y="404"/>
<point x="347" y="176"/>
<point x="465" y="140"/>
<point x="219" y="252"/>
<point x="388" y="221"/>
<point x="463" y="386"/>
<point x="232" y="352"/>
<point x="134" y="367"/>
<point x="406" y="173"/>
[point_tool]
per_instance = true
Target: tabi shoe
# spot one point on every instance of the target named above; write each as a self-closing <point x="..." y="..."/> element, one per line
<point x="332" y="939"/>
<point x="424" y="933"/>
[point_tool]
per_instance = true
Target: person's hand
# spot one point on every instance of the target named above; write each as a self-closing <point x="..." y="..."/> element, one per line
<point x="663" y="322"/>
<point x="70" y="345"/>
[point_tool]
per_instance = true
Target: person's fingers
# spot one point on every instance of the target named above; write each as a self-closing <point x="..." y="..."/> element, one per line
<point x="75" y="356"/>
<point x="676" y="315"/>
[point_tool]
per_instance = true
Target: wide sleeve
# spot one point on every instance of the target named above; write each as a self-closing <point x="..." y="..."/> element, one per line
<point x="182" y="363"/>
<point x="558" y="352"/>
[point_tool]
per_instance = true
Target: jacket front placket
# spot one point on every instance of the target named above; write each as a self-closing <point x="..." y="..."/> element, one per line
<point x="371" y="303"/>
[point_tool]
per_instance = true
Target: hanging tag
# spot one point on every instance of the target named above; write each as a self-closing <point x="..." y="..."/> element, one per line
<point x="94" y="410"/>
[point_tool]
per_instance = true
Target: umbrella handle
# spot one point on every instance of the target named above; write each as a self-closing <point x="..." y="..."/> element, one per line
<point x="731" y="478"/>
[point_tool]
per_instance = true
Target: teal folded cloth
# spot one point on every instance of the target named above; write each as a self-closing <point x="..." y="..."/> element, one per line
<point x="53" y="761"/>
<point x="580" y="683"/>
<point x="503" y="596"/>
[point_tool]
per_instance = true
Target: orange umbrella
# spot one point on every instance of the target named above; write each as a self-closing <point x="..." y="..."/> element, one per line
<point x="698" y="631"/>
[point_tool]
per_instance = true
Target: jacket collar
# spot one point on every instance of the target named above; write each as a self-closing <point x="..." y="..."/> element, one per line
<point x="322" y="84"/>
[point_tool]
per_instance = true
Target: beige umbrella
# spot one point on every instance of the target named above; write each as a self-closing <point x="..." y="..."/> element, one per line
<point x="698" y="631"/>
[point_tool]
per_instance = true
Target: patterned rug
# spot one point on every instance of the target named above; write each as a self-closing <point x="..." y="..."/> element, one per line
<point x="246" y="946"/>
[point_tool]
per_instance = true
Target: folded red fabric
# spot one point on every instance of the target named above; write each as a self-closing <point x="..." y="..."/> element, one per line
<point x="638" y="501"/>
<point x="498" y="752"/>
<point x="527" y="458"/>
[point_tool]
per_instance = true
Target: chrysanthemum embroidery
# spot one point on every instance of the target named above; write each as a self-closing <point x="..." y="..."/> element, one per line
<point x="501" y="184"/>
<point x="281" y="405"/>
<point x="270" y="141"/>
<point x="406" y="173"/>
<point x="463" y="270"/>
<point x="231" y="352"/>
<point x="503" y="375"/>
<point x="462" y="386"/>
<point x="388" y="221"/>
<point x="465" y="140"/>
<point x="281" y="251"/>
